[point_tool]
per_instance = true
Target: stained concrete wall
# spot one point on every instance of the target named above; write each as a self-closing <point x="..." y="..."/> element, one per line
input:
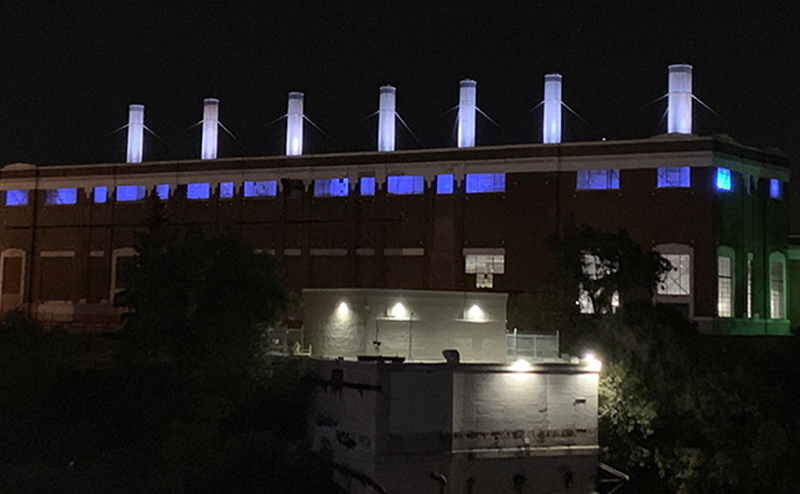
<point x="483" y="427"/>
<point x="433" y="321"/>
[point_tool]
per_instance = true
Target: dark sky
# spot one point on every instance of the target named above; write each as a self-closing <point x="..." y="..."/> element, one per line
<point x="69" y="72"/>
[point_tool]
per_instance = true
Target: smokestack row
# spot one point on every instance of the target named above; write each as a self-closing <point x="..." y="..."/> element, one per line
<point x="679" y="116"/>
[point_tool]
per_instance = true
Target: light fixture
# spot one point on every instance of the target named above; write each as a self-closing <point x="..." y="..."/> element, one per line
<point x="520" y="365"/>
<point x="343" y="309"/>
<point x="475" y="313"/>
<point x="398" y="310"/>
<point x="592" y="362"/>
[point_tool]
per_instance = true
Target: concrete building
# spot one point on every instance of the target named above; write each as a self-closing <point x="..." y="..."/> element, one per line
<point x="474" y="428"/>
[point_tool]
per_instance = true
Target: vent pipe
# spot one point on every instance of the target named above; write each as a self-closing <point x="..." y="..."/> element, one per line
<point x="386" y="118"/>
<point x="551" y="126"/>
<point x="294" y="125"/>
<point x="679" y="106"/>
<point x="135" y="133"/>
<point x="208" y="150"/>
<point x="466" y="113"/>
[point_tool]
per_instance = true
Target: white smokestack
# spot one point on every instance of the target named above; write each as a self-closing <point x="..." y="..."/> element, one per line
<point x="210" y="128"/>
<point x="135" y="133"/>
<point x="466" y="113"/>
<point x="386" y="118"/>
<point x="294" y="125"/>
<point x="679" y="106"/>
<point x="551" y="126"/>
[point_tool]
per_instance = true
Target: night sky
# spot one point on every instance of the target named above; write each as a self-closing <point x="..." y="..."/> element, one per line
<point x="68" y="73"/>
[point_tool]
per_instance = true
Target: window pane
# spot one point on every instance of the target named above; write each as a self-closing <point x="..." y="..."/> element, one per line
<point x="16" y="197"/>
<point x="331" y="187"/>
<point x="100" y="194"/>
<point x="724" y="180"/>
<point x="485" y="182"/>
<point x="675" y="176"/>
<point x="367" y="186"/>
<point x="597" y="179"/>
<point x="61" y="196"/>
<point x="198" y="191"/>
<point x="725" y="286"/>
<point x="266" y="188"/>
<point x="775" y="188"/>
<point x="130" y="193"/>
<point x="677" y="280"/>
<point x="162" y="191"/>
<point x="405" y="184"/>
<point x="226" y="190"/>
<point x="444" y="184"/>
<point x="776" y="290"/>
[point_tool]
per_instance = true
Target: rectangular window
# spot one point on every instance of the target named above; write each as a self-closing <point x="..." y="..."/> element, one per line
<point x="405" y="184"/>
<point x="724" y="179"/>
<point x="485" y="182"/>
<point x="130" y="193"/>
<point x="484" y="264"/>
<point x="594" y="268"/>
<point x="725" y="286"/>
<point x="444" y="184"/>
<point x="162" y="191"/>
<point x="100" y="194"/>
<point x="674" y="176"/>
<point x="226" y="190"/>
<point x="598" y="179"/>
<point x="332" y="187"/>
<point x="677" y="281"/>
<point x="775" y="188"/>
<point x="16" y="197"/>
<point x="776" y="290"/>
<point x="267" y="188"/>
<point x="61" y="196"/>
<point x="367" y="186"/>
<point x="198" y="191"/>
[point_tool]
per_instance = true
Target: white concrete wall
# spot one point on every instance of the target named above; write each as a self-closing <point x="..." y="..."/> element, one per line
<point x="433" y="321"/>
<point x="478" y="425"/>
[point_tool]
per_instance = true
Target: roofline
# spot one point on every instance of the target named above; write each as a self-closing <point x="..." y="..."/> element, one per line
<point x="660" y="144"/>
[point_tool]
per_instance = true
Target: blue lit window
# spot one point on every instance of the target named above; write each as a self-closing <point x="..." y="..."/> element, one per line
<point x="16" y="197"/>
<point x="100" y="194"/>
<point x="198" y="191"/>
<point x="675" y="176"/>
<point x="367" y="186"/>
<point x="775" y="188"/>
<point x="724" y="180"/>
<point x="162" y="191"/>
<point x="331" y="187"/>
<point x="61" y="196"/>
<point x="405" y="184"/>
<point x="444" y="184"/>
<point x="486" y="182"/>
<point x="130" y="193"/>
<point x="267" y="188"/>
<point x="598" y="179"/>
<point x="226" y="190"/>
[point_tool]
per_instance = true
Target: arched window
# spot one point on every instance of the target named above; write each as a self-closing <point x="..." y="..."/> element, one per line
<point x="725" y="281"/>
<point x="777" y="286"/>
